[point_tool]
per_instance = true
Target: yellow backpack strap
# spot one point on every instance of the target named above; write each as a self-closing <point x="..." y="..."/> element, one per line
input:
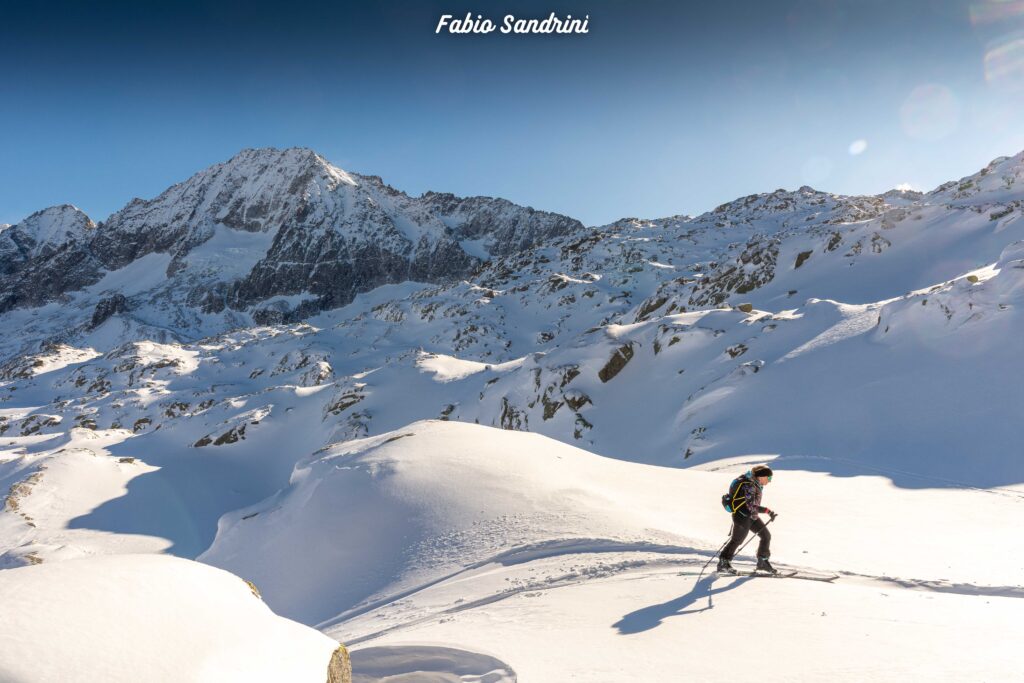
<point x="734" y="498"/>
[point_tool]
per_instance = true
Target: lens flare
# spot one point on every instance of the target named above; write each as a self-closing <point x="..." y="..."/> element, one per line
<point x="930" y="112"/>
<point x="1004" y="62"/>
<point x="858" y="147"/>
<point x="995" y="11"/>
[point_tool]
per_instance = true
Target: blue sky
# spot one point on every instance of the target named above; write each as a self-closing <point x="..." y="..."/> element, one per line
<point x="663" y="108"/>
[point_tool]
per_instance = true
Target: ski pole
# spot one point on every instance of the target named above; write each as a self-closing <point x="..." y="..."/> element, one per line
<point x="717" y="553"/>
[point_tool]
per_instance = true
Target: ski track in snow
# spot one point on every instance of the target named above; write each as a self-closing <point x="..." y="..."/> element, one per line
<point x="622" y="564"/>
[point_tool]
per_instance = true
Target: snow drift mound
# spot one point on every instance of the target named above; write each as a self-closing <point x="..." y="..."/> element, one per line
<point x="373" y="518"/>
<point x="1009" y="282"/>
<point x="148" y="618"/>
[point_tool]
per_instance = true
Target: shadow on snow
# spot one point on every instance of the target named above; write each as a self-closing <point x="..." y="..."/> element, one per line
<point x="650" y="617"/>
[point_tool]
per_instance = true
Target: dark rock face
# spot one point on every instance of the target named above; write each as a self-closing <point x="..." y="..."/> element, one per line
<point x="249" y="193"/>
<point x="508" y="228"/>
<point x="117" y="303"/>
<point x="753" y="268"/>
<point x="615" y="364"/>
<point x="46" y="255"/>
<point x="353" y="252"/>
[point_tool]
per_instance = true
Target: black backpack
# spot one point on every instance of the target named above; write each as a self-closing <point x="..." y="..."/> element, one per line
<point x="730" y="501"/>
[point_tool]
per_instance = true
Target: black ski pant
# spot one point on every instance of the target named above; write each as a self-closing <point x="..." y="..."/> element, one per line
<point x="741" y="526"/>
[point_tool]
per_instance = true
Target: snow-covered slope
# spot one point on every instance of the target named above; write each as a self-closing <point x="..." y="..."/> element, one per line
<point x="443" y="496"/>
<point x="565" y="564"/>
<point x="148" y="618"/>
<point x="348" y="462"/>
<point x="452" y="547"/>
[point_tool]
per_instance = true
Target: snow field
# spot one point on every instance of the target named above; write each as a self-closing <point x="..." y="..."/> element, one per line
<point x="565" y="565"/>
<point x="658" y="624"/>
<point x="147" y="618"/>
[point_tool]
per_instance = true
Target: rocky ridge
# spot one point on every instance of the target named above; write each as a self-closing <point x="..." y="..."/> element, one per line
<point x="268" y="236"/>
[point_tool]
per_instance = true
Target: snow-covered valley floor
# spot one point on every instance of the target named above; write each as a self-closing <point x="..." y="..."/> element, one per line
<point x="928" y="588"/>
<point x="639" y="616"/>
<point x="454" y="552"/>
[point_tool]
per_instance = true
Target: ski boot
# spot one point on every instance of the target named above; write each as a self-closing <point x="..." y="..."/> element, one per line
<point x="763" y="565"/>
<point x="724" y="566"/>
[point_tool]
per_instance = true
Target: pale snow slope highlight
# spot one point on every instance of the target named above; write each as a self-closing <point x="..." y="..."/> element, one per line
<point x="147" y="618"/>
<point x="430" y="500"/>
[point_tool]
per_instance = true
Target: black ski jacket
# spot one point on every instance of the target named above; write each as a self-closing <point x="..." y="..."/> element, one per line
<point x="746" y="500"/>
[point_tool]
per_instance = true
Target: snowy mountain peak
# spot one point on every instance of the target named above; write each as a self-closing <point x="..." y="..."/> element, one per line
<point x="297" y="162"/>
<point x="267" y="236"/>
<point x="254" y="191"/>
<point x="45" y="254"/>
<point x="51" y="227"/>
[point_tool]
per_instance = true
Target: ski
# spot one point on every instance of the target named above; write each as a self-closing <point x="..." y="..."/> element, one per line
<point x="786" y="574"/>
<point x="793" y="574"/>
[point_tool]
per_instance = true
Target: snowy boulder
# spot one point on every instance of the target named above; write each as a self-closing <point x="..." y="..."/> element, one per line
<point x="151" y="618"/>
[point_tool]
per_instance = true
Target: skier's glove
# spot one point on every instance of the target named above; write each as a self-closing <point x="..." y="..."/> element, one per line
<point x="771" y="513"/>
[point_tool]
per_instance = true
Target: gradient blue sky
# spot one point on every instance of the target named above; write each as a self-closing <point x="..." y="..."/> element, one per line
<point x="664" y="108"/>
